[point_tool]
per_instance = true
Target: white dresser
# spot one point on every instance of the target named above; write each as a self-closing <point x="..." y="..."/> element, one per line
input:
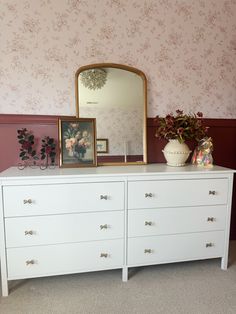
<point x="61" y="221"/>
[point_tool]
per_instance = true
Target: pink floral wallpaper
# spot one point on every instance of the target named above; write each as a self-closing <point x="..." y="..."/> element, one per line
<point x="187" y="48"/>
<point x="119" y="127"/>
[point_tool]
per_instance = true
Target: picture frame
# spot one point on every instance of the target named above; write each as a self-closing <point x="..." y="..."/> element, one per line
<point x="77" y="142"/>
<point x="102" y="145"/>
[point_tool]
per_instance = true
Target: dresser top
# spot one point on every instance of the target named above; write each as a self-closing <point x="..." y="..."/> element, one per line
<point x="150" y="169"/>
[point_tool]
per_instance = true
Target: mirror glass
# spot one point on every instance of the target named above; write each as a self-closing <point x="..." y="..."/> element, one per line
<point x="116" y="96"/>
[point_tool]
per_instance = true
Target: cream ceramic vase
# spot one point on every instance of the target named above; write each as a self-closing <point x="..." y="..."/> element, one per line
<point x="176" y="153"/>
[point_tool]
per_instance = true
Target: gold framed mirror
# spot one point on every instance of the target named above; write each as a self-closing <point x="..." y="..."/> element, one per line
<point x="116" y="95"/>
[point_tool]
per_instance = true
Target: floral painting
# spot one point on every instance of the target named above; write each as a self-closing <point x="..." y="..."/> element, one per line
<point x="77" y="142"/>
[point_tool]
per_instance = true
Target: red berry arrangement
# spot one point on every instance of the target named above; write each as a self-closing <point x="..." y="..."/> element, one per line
<point x="181" y="126"/>
<point x="26" y="139"/>
<point x="48" y="149"/>
<point x="28" y="152"/>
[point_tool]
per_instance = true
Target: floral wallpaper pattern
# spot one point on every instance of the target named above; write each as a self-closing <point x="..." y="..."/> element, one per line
<point x="187" y="48"/>
<point x="124" y="130"/>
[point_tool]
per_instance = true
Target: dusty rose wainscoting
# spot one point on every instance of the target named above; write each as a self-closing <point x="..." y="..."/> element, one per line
<point x="223" y="132"/>
<point x="9" y="124"/>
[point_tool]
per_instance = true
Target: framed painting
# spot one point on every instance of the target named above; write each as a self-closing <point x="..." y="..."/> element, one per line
<point x="77" y="142"/>
<point x="102" y="145"/>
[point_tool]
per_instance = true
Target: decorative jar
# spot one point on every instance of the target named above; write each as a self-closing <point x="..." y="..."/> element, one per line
<point x="176" y="153"/>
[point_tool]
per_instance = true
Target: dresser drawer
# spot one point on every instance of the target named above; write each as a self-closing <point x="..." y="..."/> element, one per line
<point x="172" y="193"/>
<point x="62" y="198"/>
<point x="59" y="259"/>
<point x="53" y="229"/>
<point x="174" y="248"/>
<point x="147" y="222"/>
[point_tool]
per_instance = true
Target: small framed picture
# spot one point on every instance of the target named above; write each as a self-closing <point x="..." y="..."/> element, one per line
<point x="77" y="142"/>
<point x="102" y="145"/>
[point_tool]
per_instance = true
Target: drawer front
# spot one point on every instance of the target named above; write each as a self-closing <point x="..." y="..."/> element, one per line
<point x="64" y="258"/>
<point x="172" y="193"/>
<point x="147" y="222"/>
<point x="174" y="248"/>
<point x="53" y="229"/>
<point x="62" y="198"/>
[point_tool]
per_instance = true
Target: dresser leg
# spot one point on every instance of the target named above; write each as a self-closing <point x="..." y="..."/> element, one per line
<point x="224" y="263"/>
<point x="125" y="274"/>
<point x="4" y="280"/>
<point x="4" y="288"/>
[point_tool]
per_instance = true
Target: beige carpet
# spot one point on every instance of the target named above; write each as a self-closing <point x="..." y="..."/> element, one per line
<point x="199" y="287"/>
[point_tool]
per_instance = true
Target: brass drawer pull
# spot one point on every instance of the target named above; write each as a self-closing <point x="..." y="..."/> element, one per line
<point x="212" y="192"/>
<point x="104" y="255"/>
<point x="29" y="201"/>
<point x="210" y="219"/>
<point x="30" y="232"/>
<point x="30" y="262"/>
<point x="209" y="244"/>
<point x="148" y="223"/>
<point x="103" y="197"/>
<point x="147" y="251"/>
<point x="104" y="226"/>
<point x="148" y="195"/>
